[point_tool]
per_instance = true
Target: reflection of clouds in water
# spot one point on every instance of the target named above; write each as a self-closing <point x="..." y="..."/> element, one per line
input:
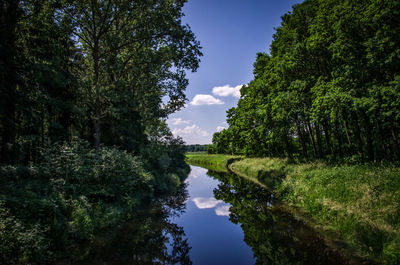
<point x="222" y="210"/>
<point x="206" y="203"/>
<point x="195" y="172"/>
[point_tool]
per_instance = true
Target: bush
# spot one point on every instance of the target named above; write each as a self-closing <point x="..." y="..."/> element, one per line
<point x="70" y="195"/>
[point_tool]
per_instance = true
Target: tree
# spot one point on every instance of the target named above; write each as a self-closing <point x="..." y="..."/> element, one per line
<point x="134" y="54"/>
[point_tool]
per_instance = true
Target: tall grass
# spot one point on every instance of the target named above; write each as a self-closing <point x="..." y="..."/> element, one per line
<point x="360" y="202"/>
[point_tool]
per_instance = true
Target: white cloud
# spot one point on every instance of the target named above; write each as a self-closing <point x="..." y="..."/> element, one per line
<point x="196" y="172"/>
<point x="222" y="211"/>
<point x="190" y="130"/>
<point x="192" y="134"/>
<point x="206" y="203"/>
<point x="179" y="121"/>
<point x="227" y="90"/>
<point x="220" y="128"/>
<point x="201" y="99"/>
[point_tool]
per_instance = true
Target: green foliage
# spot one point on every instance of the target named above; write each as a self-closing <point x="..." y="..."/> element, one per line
<point x="391" y="252"/>
<point x="21" y="243"/>
<point x="72" y="194"/>
<point x="328" y="89"/>
<point x="360" y="202"/>
<point x="104" y="71"/>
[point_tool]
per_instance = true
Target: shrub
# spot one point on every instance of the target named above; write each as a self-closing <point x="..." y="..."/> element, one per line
<point x="68" y="196"/>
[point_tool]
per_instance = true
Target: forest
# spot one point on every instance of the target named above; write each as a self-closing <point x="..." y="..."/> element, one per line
<point x="86" y="88"/>
<point x="328" y="88"/>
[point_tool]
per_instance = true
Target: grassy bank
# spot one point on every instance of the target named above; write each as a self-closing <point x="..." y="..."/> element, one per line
<point x="213" y="162"/>
<point x="360" y="203"/>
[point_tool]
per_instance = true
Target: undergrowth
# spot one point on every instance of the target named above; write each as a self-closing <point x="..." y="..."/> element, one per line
<point x="74" y="192"/>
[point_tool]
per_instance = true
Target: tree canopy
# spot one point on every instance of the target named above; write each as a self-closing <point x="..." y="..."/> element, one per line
<point x="106" y="71"/>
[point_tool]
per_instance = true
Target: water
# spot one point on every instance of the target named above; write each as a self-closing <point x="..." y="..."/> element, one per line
<point x="215" y="218"/>
<point x="212" y="237"/>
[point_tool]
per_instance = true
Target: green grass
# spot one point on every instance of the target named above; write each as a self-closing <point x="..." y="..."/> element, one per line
<point x="264" y="172"/>
<point x="359" y="203"/>
<point x="213" y="162"/>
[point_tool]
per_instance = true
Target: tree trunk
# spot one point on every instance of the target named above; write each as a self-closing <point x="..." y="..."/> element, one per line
<point x="9" y="15"/>
<point x="368" y="136"/>
<point x="358" y="137"/>
<point x="287" y="143"/>
<point x="395" y="140"/>
<point x="97" y="128"/>
<point x="327" y="137"/>
<point x="302" y="141"/>
<point x="339" y="139"/>
<point x="310" y="133"/>
<point x="319" y="142"/>
<point x="97" y="132"/>
<point x="349" y="149"/>
<point x="380" y="148"/>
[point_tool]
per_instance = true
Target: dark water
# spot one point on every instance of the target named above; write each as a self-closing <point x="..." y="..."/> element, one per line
<point x="216" y="218"/>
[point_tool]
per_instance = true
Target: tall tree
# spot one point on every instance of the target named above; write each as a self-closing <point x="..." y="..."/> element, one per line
<point x="9" y="16"/>
<point x="135" y="52"/>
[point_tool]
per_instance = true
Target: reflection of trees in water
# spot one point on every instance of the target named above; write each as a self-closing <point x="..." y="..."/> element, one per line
<point x="146" y="238"/>
<point x="274" y="236"/>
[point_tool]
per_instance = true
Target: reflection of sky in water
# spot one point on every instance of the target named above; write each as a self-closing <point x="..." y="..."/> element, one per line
<point x="195" y="172"/>
<point x="211" y="202"/>
<point x="222" y="210"/>
<point x="213" y="238"/>
<point x="206" y="203"/>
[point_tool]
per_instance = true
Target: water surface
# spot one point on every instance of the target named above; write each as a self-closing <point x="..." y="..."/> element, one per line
<point x="213" y="238"/>
<point x="215" y="218"/>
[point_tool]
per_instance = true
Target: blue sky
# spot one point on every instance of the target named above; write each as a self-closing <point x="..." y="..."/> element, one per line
<point x="231" y="33"/>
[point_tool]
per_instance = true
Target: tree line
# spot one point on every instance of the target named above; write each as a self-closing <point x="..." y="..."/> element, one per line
<point x="329" y="88"/>
<point x="109" y="72"/>
<point x="196" y="148"/>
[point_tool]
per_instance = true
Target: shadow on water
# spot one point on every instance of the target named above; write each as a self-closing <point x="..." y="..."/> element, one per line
<point x="274" y="235"/>
<point x="150" y="238"/>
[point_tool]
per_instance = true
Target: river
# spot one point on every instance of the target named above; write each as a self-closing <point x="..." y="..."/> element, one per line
<point x="215" y="218"/>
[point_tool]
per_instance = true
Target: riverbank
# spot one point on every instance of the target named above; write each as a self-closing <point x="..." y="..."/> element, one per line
<point x="213" y="162"/>
<point x="360" y="203"/>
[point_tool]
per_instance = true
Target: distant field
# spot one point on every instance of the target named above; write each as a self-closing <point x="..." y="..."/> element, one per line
<point x="196" y="153"/>
<point x="212" y="162"/>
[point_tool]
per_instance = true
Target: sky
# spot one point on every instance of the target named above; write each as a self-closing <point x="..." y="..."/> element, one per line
<point x="231" y="33"/>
